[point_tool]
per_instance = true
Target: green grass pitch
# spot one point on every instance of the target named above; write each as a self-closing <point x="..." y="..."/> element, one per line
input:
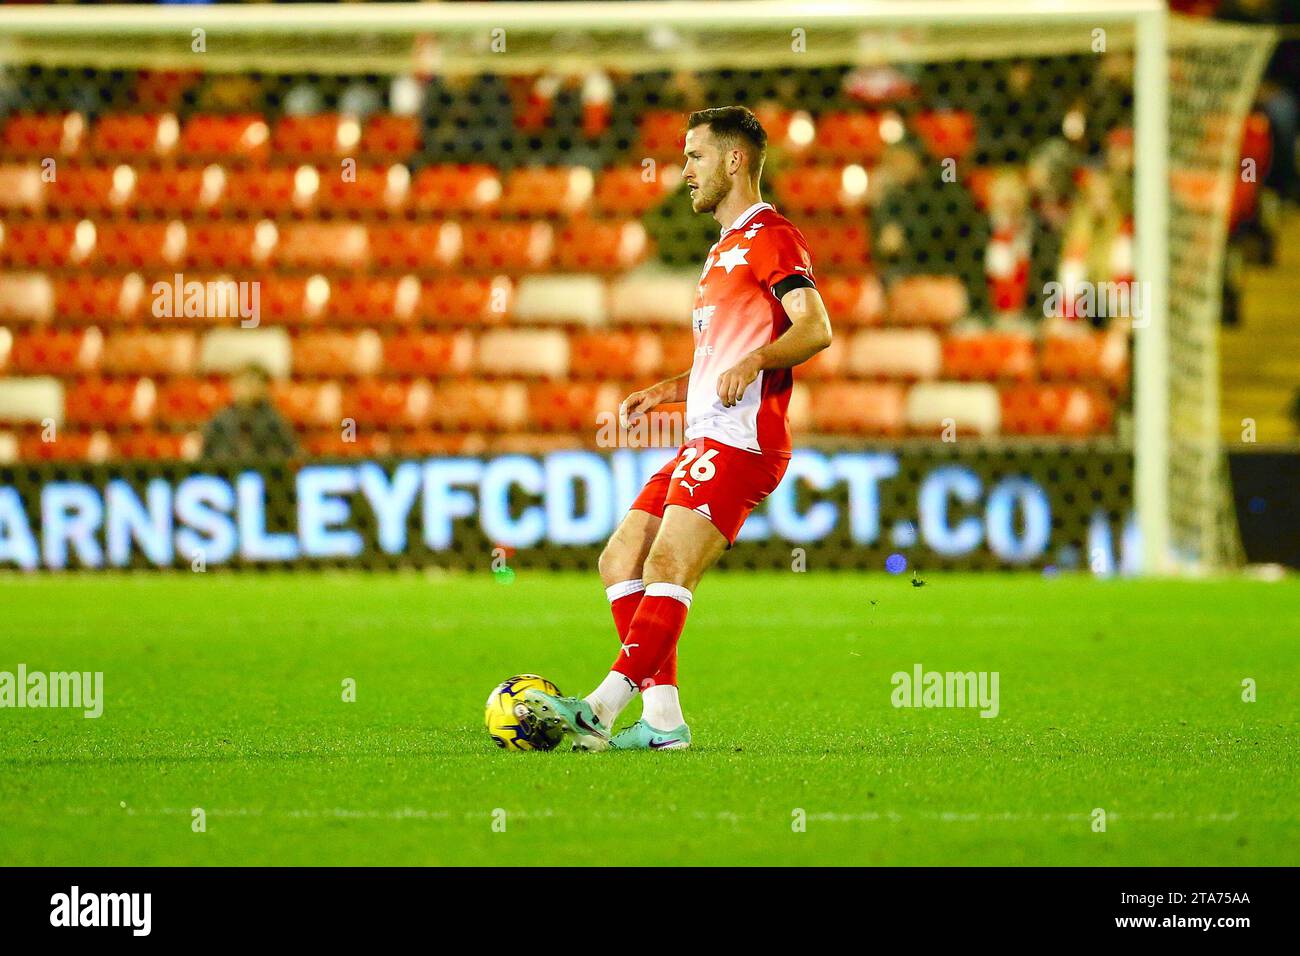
<point x="224" y="692"/>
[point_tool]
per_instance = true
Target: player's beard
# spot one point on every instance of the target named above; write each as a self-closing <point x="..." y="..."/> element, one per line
<point x="711" y="193"/>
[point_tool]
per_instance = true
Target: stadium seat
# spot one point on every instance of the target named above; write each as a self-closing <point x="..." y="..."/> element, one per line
<point x="127" y="246"/>
<point x="838" y="247"/>
<point x="278" y="191"/>
<point x="909" y="354"/>
<point x="21" y="188"/>
<point x="852" y="300"/>
<point x="135" y="136"/>
<point x="852" y="137"/>
<point x="523" y="352"/>
<point x="570" y="299"/>
<point x="536" y="191"/>
<point x="316" y="137"/>
<point x="90" y="190"/>
<point x="1054" y="410"/>
<point x="153" y="445"/>
<point x="229" y="245"/>
<point x="989" y="356"/>
<point x="389" y="138"/>
<point x="190" y="401"/>
<point x="528" y="443"/>
<point x="598" y="355"/>
<point x="390" y="404"/>
<point x="821" y="190"/>
<point x="630" y="191"/>
<point x="56" y="351"/>
<point x="449" y="190"/>
<point x="178" y="191"/>
<point x="149" y="353"/>
<point x="826" y="364"/>
<point x="663" y="135"/>
<point x="461" y="300"/>
<point x="926" y="300"/>
<point x="330" y="354"/>
<point x="86" y="298"/>
<point x="33" y="399"/>
<point x="374" y="190"/>
<point x="1086" y="355"/>
<point x="26" y="297"/>
<point x="222" y="137"/>
<point x="310" y="404"/>
<point x="44" y="135"/>
<point x="428" y="354"/>
<point x="416" y="247"/>
<point x="92" y="446"/>
<point x="424" y="443"/>
<point x="967" y="408"/>
<point x="227" y="350"/>
<point x="487" y="406"/>
<point x="946" y="134"/>
<point x="857" y="408"/>
<point x="507" y="246"/>
<point x="600" y="246"/>
<point x="372" y="300"/>
<point x="570" y="406"/>
<point x="676" y="350"/>
<point x="656" y="299"/>
<point x="110" y="402"/>
<point x="333" y="444"/>
<point x="322" y="245"/>
<point x="48" y="244"/>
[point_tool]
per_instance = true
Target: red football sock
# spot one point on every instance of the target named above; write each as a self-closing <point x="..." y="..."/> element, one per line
<point x="624" y="599"/>
<point x="652" y="638"/>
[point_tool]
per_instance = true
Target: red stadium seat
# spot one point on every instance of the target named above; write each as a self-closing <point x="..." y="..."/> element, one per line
<point x="90" y="190"/>
<point x="390" y="138"/>
<point x="190" y="401"/>
<point x="927" y="300"/>
<point x="852" y="300"/>
<point x="333" y="354"/>
<point x="547" y="191"/>
<point x="663" y="135"/>
<point x="415" y="247"/>
<point x="909" y="354"/>
<point x="598" y="355"/>
<point x="42" y="135"/>
<point x="48" y="244"/>
<point x="389" y="404"/>
<point x="310" y="403"/>
<point x="626" y="190"/>
<point x="849" y="136"/>
<point x="135" y="136"/>
<point x="487" y="406"/>
<point x="107" y="299"/>
<point x="278" y="191"/>
<point x="152" y="445"/>
<point x="68" y="445"/>
<point x="226" y="138"/>
<point x="821" y="190"/>
<point x="851" y="408"/>
<point x="1087" y="356"/>
<point x="600" y="246"/>
<point x="109" y="402"/>
<point x="677" y="351"/>
<point x="828" y="364"/>
<point x="372" y="300"/>
<point x="989" y="356"/>
<point x="149" y="353"/>
<point x="838" y="248"/>
<point x="177" y="191"/>
<point x="429" y="354"/>
<point x="142" y="245"/>
<point x="55" y="351"/>
<point x="947" y="134"/>
<point x="465" y="300"/>
<point x="374" y="190"/>
<point x="230" y="245"/>
<point x="319" y="136"/>
<point x="445" y="190"/>
<point x="1054" y="410"/>
<point x="323" y="245"/>
<point x="570" y="406"/>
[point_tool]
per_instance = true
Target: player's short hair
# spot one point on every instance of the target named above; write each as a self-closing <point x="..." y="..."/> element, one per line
<point x="735" y="126"/>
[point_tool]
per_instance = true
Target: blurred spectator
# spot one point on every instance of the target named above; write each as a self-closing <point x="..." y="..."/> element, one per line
<point x="250" y="427"/>
<point x="1022" y="254"/>
<point x="1098" y="243"/>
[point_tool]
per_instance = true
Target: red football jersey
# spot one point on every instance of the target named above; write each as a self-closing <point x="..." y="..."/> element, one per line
<point x="736" y="311"/>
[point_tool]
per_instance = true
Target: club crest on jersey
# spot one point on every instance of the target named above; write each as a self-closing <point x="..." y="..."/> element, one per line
<point x="701" y="317"/>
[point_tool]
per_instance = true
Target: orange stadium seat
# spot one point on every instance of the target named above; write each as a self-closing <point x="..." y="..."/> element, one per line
<point x="423" y="443"/>
<point x="149" y="353"/>
<point x="1087" y="355"/>
<point x="569" y="406"/>
<point x="449" y="189"/>
<point x="849" y="136"/>
<point x="989" y="356"/>
<point x="858" y="408"/>
<point x="526" y="443"/>
<point x="141" y="245"/>
<point x="21" y="187"/>
<point x="429" y="354"/>
<point x="600" y="246"/>
<point x="894" y="353"/>
<point x="226" y="137"/>
<point x="390" y="138"/>
<point x="190" y="401"/>
<point x="663" y="135"/>
<point x="391" y="404"/>
<point x="523" y="352"/>
<point x="371" y="300"/>
<point x="598" y="355"/>
<point x="88" y="190"/>
<point x="323" y="245"/>
<point x="69" y="445"/>
<point x="55" y="351"/>
<point x="154" y="445"/>
<point x="489" y="406"/>
<point x="109" y="402"/>
<point x="826" y="364"/>
<point x="375" y="190"/>
<point x="26" y="297"/>
<point x="624" y="190"/>
<point x="136" y="136"/>
<point x="274" y="191"/>
<point x="87" y="298"/>
<point x="328" y="353"/>
<point x="676" y="350"/>
<point x="838" y="247"/>
<point x="465" y="300"/>
<point x="229" y="245"/>
<point x="1054" y="410"/>
<point x="509" y="246"/>
<point x="333" y="444"/>
<point x="318" y="136"/>
<point x="926" y="300"/>
<point x="419" y="246"/>
<point x="820" y="190"/>
<point x="945" y="133"/>
<point x="164" y="190"/>
<point x="852" y="300"/>
<point x="310" y="403"/>
<point x="41" y="135"/>
<point x="547" y="190"/>
<point x="47" y="244"/>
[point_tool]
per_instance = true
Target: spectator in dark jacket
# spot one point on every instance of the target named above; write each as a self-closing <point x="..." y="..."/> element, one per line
<point x="250" y="427"/>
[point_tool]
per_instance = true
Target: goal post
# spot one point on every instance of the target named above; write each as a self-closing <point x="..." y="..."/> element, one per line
<point x="1192" y="83"/>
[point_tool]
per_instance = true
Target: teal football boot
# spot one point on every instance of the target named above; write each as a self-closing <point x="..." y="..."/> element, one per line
<point x="641" y="736"/>
<point x="569" y="715"/>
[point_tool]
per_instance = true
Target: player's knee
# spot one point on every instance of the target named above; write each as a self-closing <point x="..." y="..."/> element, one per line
<point x="617" y="562"/>
<point x="663" y="567"/>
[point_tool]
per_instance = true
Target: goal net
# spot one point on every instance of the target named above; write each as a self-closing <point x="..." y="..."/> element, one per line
<point x="1017" y="211"/>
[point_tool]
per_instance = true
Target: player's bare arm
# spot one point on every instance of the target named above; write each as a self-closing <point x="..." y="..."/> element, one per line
<point x="809" y="333"/>
<point x="646" y="399"/>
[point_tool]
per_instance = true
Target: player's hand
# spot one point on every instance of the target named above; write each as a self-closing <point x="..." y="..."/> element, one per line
<point x="636" y="405"/>
<point x="733" y="382"/>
